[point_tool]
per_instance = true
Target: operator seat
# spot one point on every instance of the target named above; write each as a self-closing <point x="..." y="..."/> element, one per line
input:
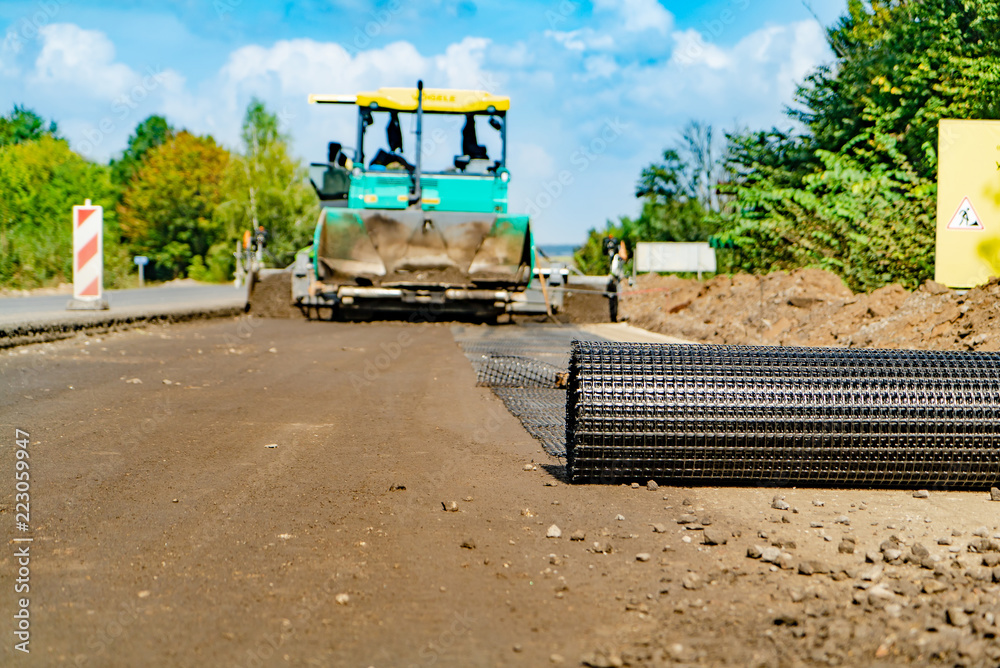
<point x="336" y="178"/>
<point x="471" y="148"/>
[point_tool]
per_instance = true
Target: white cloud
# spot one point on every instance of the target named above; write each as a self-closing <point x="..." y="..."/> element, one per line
<point x="598" y="67"/>
<point x="285" y="73"/>
<point x="639" y="15"/>
<point x="74" y="71"/>
<point x="692" y="49"/>
<point x="462" y="63"/>
<point x="80" y="59"/>
<point x="582" y="40"/>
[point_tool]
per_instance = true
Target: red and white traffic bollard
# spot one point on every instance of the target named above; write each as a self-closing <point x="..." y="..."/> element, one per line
<point x="88" y="258"/>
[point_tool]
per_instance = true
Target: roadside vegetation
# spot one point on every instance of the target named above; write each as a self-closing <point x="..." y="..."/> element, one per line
<point x="853" y="188"/>
<point x="178" y="198"/>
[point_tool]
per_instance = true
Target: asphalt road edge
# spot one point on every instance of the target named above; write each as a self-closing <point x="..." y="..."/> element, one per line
<point x="20" y="334"/>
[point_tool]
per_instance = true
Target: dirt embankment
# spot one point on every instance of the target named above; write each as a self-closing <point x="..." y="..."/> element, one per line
<point x="811" y="307"/>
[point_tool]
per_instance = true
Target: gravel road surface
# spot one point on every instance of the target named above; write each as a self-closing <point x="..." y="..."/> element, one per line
<point x="247" y="492"/>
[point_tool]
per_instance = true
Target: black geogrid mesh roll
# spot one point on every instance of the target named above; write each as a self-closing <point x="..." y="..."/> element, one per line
<point x="788" y="416"/>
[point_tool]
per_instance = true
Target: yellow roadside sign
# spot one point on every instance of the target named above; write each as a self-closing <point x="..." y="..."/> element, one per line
<point x="968" y="209"/>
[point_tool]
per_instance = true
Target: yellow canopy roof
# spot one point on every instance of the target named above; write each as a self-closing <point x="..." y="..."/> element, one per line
<point x="441" y="100"/>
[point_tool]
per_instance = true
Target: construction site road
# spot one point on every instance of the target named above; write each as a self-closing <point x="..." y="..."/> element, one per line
<point x="247" y="492"/>
<point x="36" y="309"/>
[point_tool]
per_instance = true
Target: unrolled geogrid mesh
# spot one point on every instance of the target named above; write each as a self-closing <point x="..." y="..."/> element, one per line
<point x="790" y="416"/>
<point x="542" y="412"/>
<point x="523" y="365"/>
<point x="516" y="371"/>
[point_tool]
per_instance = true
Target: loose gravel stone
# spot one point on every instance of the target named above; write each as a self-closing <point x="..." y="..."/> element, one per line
<point x="879" y="595"/>
<point x="871" y="574"/>
<point x="786" y="561"/>
<point x="892" y="554"/>
<point x="843" y="519"/>
<point x="934" y="586"/>
<point x="779" y="504"/>
<point x="553" y="532"/>
<point x="873" y="557"/>
<point x="921" y="494"/>
<point x="469" y="544"/>
<point x="652" y="486"/>
<point x="890" y="544"/>
<point x="714" y="537"/>
<point x="812" y="567"/>
<point x="984" y="545"/>
<point x="692" y="581"/>
<point x="452" y="506"/>
<point x="770" y="554"/>
<point x="957" y="617"/>
<point x="659" y="528"/>
<point x="981" y="532"/>
<point x="755" y="551"/>
<point x="602" y="547"/>
<point x="944" y="541"/>
<point x="635" y="485"/>
<point x="845" y="547"/>
<point x="687" y="518"/>
<point x="620" y="517"/>
<point x="919" y="551"/>
<point x="818" y="503"/>
<point x="815" y="525"/>
<point x="994" y="494"/>
<point x="643" y="556"/>
<point x="578" y="535"/>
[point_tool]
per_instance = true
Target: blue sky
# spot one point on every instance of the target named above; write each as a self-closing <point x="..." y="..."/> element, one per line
<point x="598" y="88"/>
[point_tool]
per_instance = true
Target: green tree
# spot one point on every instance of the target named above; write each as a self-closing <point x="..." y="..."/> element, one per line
<point x="267" y="188"/>
<point x="152" y="132"/>
<point x="901" y="67"/>
<point x="167" y="212"/>
<point x="870" y="224"/>
<point x="41" y="179"/>
<point x="22" y="125"/>
<point x="855" y="193"/>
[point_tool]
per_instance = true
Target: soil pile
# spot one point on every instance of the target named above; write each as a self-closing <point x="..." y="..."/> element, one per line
<point x="271" y="296"/>
<point x="812" y="307"/>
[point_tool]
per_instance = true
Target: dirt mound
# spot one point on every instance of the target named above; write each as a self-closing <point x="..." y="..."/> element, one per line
<point x="581" y="305"/>
<point x="811" y="307"/>
<point x="272" y="296"/>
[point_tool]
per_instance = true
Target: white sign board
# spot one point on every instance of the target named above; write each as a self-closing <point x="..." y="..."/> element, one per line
<point x="88" y="258"/>
<point x="674" y="256"/>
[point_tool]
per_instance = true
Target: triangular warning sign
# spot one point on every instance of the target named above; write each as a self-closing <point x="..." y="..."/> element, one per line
<point x="83" y="214"/>
<point x="966" y="218"/>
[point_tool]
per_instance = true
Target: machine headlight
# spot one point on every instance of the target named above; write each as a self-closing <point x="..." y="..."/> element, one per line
<point x="357" y="172"/>
<point x="505" y="176"/>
